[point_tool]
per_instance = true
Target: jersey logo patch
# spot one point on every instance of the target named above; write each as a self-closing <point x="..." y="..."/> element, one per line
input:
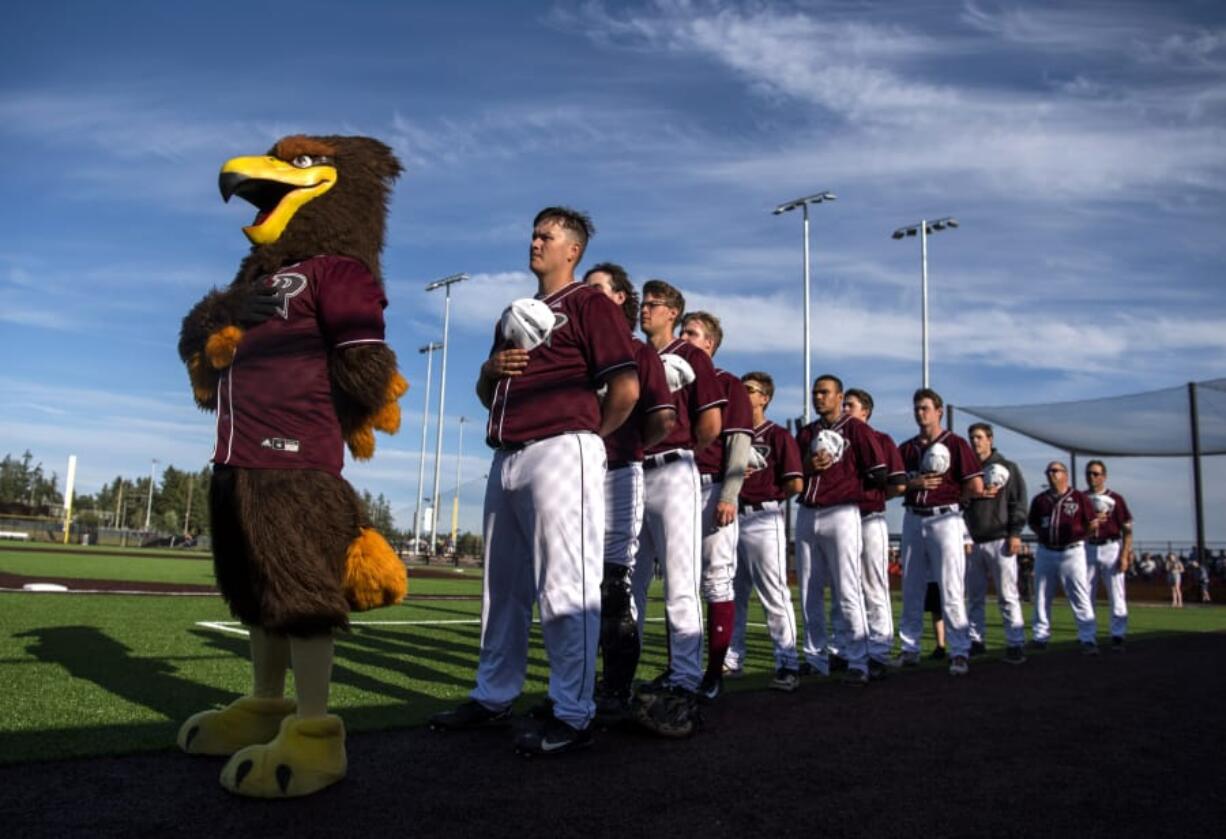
<point x="279" y="444"/>
<point x="1069" y="507"/>
<point x="289" y="285"/>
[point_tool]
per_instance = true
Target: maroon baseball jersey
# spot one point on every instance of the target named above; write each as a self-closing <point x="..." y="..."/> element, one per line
<point x="872" y="498"/>
<point x="556" y="392"/>
<point x="1059" y="521"/>
<point x="842" y="482"/>
<point x="625" y="445"/>
<point x="737" y="416"/>
<point x="690" y="401"/>
<point x="1113" y="526"/>
<point x="274" y="403"/>
<point x="782" y="456"/>
<point x="963" y="465"/>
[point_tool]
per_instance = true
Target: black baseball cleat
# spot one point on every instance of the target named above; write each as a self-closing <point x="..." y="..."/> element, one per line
<point x="472" y="714"/>
<point x="837" y="663"/>
<point x="937" y="655"/>
<point x="551" y="736"/>
<point x="855" y="677"/>
<point x="657" y="685"/>
<point x="1117" y="643"/>
<point x="877" y="670"/>
<point x="710" y="688"/>
<point x="785" y="680"/>
<point x="1014" y="655"/>
<point x="1038" y="646"/>
<point x="542" y="710"/>
<point x="978" y="648"/>
<point x="1089" y="648"/>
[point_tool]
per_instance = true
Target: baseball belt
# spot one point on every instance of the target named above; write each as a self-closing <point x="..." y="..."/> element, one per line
<point x="655" y="461"/>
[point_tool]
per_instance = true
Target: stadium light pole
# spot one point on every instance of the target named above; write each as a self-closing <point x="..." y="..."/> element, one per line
<point x="428" y="350"/>
<point x="455" y="504"/>
<point x="445" y="283"/>
<point x="803" y="204"/>
<point x="149" y="507"/>
<point x="924" y="228"/>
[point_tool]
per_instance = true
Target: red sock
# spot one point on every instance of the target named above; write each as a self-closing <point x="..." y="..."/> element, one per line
<point x="720" y="617"/>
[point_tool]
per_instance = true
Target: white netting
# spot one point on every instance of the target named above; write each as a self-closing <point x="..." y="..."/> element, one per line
<point x="1153" y="424"/>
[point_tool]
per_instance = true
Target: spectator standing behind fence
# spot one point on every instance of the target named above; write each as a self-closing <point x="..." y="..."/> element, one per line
<point x="1174" y="578"/>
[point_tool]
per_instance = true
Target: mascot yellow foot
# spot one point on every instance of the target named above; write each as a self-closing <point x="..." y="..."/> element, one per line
<point x="308" y="755"/>
<point x="244" y="722"/>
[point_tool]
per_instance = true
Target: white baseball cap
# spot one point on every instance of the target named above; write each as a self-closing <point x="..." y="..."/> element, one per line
<point x="527" y="323"/>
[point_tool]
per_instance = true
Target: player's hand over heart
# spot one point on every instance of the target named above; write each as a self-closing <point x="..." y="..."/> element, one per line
<point x="924" y="482"/>
<point x="821" y="461"/>
<point x="509" y="362"/>
<point x="990" y="492"/>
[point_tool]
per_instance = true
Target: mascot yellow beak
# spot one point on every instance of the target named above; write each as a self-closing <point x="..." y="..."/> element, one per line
<point x="277" y="189"/>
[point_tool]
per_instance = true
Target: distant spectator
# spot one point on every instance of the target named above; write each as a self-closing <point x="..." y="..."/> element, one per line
<point x="1202" y="578"/>
<point x="1174" y="578"/>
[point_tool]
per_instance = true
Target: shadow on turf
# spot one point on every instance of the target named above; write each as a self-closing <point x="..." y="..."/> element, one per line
<point x="86" y="652"/>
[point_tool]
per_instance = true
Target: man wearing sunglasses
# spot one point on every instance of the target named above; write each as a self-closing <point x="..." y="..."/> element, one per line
<point x="1062" y="518"/>
<point x="1106" y="558"/>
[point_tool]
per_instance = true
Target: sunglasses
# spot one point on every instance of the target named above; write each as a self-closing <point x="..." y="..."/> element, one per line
<point x="1095" y="472"/>
<point x="1053" y="471"/>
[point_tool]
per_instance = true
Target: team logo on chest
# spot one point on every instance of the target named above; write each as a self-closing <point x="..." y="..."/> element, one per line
<point x="288" y="285"/>
<point x="1069" y="507"/>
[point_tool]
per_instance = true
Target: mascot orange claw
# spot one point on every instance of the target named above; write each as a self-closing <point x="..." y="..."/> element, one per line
<point x="292" y="359"/>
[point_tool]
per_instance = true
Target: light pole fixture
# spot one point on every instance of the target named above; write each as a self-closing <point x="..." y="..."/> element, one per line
<point x="803" y="204"/>
<point x="455" y="504"/>
<point x="149" y="507"/>
<point x="923" y="228"/>
<point x="428" y="350"/>
<point x="445" y="283"/>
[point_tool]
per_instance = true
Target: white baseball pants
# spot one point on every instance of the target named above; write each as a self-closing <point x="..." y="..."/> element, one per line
<point x="718" y="548"/>
<point x="672" y="518"/>
<point x="544" y="542"/>
<point x="623" y="504"/>
<point x="829" y="538"/>
<point x="762" y="564"/>
<point x="1102" y="563"/>
<point x="1068" y="567"/>
<point x="988" y="559"/>
<point x="875" y="567"/>
<point x="932" y="548"/>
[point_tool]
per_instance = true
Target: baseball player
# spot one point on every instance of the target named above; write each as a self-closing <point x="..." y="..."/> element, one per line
<point x="875" y="536"/>
<point x="672" y="512"/>
<point x="544" y="502"/>
<point x="653" y="418"/>
<point x="1106" y="558"/>
<point x="942" y="470"/>
<point x="994" y="522"/>
<point x="840" y="454"/>
<point x="1062" y="518"/>
<point x="721" y="469"/>
<point x="774" y="475"/>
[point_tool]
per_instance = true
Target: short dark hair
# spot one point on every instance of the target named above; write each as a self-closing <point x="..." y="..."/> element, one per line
<point x="578" y="223"/>
<point x="763" y="379"/>
<point x="980" y="426"/>
<point x="862" y="396"/>
<point x="1099" y="462"/>
<point x="673" y="298"/>
<point x="928" y="393"/>
<point x="710" y="324"/>
<point x="829" y="377"/>
<point x="620" y="281"/>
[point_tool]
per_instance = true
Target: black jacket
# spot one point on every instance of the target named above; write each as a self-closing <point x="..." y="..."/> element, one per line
<point x="989" y="519"/>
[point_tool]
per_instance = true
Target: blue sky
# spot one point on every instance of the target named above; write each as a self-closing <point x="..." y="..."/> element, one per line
<point x="1081" y="145"/>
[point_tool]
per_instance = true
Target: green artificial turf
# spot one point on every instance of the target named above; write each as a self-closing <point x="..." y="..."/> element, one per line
<point x="109" y="674"/>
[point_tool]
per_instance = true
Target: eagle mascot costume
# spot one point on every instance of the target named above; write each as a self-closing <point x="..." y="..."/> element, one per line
<point x="291" y="357"/>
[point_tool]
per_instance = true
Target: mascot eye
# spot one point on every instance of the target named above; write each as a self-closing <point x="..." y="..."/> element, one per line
<point x="303" y="161"/>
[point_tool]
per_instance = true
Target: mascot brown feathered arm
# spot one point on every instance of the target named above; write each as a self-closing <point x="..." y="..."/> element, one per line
<point x="213" y="329"/>
<point x="365" y="388"/>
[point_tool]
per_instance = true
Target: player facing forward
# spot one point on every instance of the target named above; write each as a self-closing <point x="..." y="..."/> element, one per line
<point x="840" y="455"/>
<point x="775" y="474"/>
<point x="672" y="513"/>
<point x="544" y="502"/>
<point x="721" y="469"/>
<point x="995" y="521"/>
<point x="942" y="471"/>
<point x="1106" y="558"/>
<point x="875" y="536"/>
<point x="653" y="418"/>
<point x="1062" y="518"/>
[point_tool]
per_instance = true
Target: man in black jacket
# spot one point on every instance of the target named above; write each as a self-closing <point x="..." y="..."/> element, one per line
<point x="995" y="522"/>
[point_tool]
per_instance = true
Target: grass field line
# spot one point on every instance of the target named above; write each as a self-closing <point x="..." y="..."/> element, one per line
<point x="115" y="591"/>
<point x="234" y="627"/>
